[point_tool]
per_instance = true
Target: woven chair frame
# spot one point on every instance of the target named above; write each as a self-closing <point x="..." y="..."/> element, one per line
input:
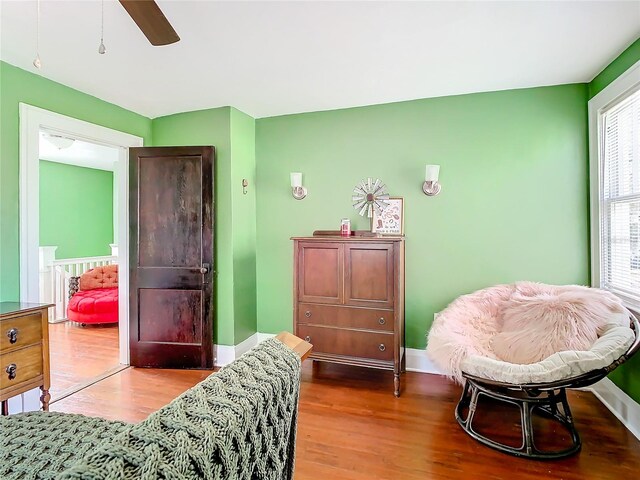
<point x="548" y="399"/>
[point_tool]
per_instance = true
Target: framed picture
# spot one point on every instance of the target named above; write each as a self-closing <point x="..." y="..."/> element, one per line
<point x="391" y="220"/>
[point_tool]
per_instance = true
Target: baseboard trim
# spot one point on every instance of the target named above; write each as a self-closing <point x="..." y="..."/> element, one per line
<point x="246" y="345"/>
<point x="619" y="403"/>
<point x="417" y="361"/>
<point x="225" y="354"/>
<point x="264" y="336"/>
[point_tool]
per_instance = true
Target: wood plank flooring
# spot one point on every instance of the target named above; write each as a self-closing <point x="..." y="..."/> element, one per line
<point x="351" y="427"/>
<point x="130" y="395"/>
<point x="79" y="354"/>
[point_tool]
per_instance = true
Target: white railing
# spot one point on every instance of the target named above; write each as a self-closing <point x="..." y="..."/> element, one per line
<point x="54" y="280"/>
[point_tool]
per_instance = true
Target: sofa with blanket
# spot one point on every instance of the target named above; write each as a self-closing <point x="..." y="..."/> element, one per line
<point x="238" y="423"/>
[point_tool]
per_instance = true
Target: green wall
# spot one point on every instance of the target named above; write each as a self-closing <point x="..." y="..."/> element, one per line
<point x="627" y="376"/>
<point x="514" y="201"/>
<point x="616" y="68"/>
<point x="232" y="133"/>
<point x="76" y="209"/>
<point x="210" y="127"/>
<point x="243" y="166"/>
<point x="17" y="86"/>
<point x="219" y="127"/>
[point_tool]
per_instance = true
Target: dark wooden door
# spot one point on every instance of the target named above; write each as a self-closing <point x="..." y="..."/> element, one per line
<point x="369" y="275"/>
<point x="171" y="257"/>
<point x="320" y="272"/>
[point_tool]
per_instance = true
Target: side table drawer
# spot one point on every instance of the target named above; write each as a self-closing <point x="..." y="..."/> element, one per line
<point x="26" y="364"/>
<point x="19" y="332"/>
<point x="349" y="343"/>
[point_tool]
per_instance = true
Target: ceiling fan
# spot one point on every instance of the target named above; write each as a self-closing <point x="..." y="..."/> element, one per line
<point x="151" y="21"/>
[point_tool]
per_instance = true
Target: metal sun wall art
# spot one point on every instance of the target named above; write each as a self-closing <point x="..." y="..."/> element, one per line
<point x="370" y="195"/>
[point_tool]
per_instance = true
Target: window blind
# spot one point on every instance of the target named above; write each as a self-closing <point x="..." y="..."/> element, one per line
<point x="620" y="198"/>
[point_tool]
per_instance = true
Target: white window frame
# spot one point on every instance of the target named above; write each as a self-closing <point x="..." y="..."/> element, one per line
<point x="625" y="85"/>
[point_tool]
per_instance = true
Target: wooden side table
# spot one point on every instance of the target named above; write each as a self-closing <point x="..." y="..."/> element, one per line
<point x="24" y="351"/>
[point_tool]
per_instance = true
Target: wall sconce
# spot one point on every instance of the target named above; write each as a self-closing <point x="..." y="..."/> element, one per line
<point x="431" y="187"/>
<point x="298" y="191"/>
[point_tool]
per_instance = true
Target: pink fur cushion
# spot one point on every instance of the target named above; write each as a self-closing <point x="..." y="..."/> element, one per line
<point x="465" y="328"/>
<point x="535" y="325"/>
<point x="520" y="323"/>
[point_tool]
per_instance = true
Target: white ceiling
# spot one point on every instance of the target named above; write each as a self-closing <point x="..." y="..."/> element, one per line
<point x="273" y="58"/>
<point x="80" y="153"/>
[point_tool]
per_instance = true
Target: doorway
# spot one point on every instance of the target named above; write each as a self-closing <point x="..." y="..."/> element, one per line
<point x="33" y="122"/>
<point x="78" y="222"/>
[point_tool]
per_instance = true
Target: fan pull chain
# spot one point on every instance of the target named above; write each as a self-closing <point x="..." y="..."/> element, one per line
<point x="102" y="49"/>
<point x="37" y="63"/>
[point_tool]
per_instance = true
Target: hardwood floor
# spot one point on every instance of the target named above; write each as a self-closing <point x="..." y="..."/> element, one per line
<point x="79" y="354"/>
<point x="351" y="427"/>
<point x="130" y="395"/>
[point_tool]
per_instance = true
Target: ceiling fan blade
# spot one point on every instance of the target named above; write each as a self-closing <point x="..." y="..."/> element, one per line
<point x="151" y="20"/>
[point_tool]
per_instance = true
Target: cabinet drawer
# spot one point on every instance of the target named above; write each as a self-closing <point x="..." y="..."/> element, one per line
<point x="25" y="330"/>
<point x="28" y="365"/>
<point x="345" y="317"/>
<point x="350" y="343"/>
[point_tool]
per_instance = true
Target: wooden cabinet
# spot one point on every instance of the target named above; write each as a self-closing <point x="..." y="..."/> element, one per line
<point x="24" y="351"/>
<point x="349" y="300"/>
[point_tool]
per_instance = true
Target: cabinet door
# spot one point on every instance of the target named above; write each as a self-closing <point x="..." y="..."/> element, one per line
<point x="369" y="274"/>
<point x="320" y="271"/>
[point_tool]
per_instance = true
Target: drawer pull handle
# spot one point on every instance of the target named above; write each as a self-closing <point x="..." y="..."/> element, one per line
<point x="13" y="335"/>
<point x="307" y="314"/>
<point x="307" y="339"/>
<point x="382" y="347"/>
<point x="381" y="321"/>
<point x="11" y="371"/>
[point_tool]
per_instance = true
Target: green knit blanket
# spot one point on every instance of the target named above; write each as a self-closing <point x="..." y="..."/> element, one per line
<point x="39" y="445"/>
<point x="239" y="423"/>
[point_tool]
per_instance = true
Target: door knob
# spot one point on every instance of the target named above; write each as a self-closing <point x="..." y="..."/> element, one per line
<point x="307" y="339"/>
<point x="11" y="371"/>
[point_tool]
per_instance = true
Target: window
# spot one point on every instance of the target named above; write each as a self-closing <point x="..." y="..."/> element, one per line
<point x="617" y="194"/>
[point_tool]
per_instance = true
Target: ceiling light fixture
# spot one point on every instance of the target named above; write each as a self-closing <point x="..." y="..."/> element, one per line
<point x="58" y="141"/>
<point x="102" y="49"/>
<point x="37" y="63"/>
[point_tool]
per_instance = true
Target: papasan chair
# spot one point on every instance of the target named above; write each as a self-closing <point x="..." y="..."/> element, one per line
<point x="525" y="344"/>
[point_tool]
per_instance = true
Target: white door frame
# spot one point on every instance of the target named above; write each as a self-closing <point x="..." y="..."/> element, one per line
<point x="32" y="120"/>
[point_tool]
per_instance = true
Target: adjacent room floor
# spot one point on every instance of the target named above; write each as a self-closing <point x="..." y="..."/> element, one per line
<point x="352" y="427"/>
<point x="79" y="355"/>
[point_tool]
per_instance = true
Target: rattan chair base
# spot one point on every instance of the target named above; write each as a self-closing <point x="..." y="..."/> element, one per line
<point x="552" y="404"/>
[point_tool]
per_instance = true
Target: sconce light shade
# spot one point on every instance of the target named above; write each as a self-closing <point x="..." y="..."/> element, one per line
<point x="432" y="172"/>
<point x="431" y="187"/>
<point x="298" y="191"/>
<point x="296" y="179"/>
